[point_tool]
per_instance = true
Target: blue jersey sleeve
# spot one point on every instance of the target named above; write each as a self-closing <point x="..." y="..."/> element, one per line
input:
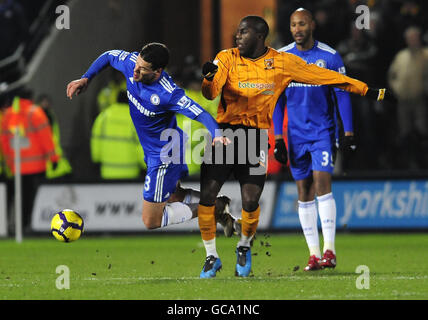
<point x="115" y="58"/>
<point x="209" y="122"/>
<point x="345" y="110"/>
<point x="181" y="103"/>
<point x="278" y="114"/>
<point x="343" y="98"/>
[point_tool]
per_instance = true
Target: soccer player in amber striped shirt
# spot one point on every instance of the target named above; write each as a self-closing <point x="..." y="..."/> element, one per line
<point x="250" y="78"/>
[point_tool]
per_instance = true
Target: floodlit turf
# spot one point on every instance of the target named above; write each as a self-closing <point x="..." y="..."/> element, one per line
<point x="165" y="266"/>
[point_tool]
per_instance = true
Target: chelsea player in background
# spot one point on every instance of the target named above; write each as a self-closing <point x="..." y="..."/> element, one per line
<point x="312" y="130"/>
<point x="153" y="101"/>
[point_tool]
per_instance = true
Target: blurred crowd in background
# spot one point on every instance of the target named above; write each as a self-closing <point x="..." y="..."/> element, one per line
<point x="391" y="53"/>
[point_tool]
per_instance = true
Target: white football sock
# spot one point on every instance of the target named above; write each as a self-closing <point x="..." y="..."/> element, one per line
<point x="210" y="247"/>
<point x="192" y="196"/>
<point x="327" y="212"/>
<point x="309" y="221"/>
<point x="245" y="241"/>
<point x="176" y="212"/>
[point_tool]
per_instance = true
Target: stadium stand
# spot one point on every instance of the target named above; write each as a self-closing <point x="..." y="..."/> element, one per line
<point x="23" y="25"/>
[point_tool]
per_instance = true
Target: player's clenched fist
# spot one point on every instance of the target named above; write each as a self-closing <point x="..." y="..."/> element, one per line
<point x="209" y="70"/>
<point x="280" y="151"/>
<point x="76" y="87"/>
<point x="349" y="144"/>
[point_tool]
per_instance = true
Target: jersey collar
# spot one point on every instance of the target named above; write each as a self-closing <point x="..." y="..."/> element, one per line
<point x="255" y="59"/>
<point x="306" y="51"/>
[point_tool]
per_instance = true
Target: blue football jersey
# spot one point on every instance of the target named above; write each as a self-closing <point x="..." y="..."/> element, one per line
<point x="152" y="107"/>
<point x="311" y="109"/>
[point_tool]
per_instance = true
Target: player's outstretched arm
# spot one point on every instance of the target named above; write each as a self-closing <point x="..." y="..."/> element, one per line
<point x="109" y="58"/>
<point x="76" y="87"/>
<point x="300" y="71"/>
<point x="209" y="122"/>
<point x="379" y="94"/>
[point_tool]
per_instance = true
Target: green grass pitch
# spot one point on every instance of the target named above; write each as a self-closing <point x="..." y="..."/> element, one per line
<point x="166" y="266"/>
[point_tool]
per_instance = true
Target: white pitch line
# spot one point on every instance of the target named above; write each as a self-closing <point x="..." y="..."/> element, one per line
<point x="142" y="278"/>
<point x="290" y="278"/>
<point x="369" y="294"/>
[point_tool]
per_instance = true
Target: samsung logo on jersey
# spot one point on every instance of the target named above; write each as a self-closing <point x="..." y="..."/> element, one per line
<point x="298" y="84"/>
<point x="140" y="108"/>
<point x="251" y="85"/>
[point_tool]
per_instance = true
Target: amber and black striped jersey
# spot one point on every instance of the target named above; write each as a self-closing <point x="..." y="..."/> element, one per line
<point x="250" y="88"/>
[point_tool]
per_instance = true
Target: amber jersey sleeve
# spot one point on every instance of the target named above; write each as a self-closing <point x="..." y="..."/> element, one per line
<point x="249" y="88"/>
<point x="298" y="70"/>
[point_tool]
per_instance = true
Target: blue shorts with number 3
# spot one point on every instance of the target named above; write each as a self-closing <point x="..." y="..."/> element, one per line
<point x="161" y="181"/>
<point x="311" y="156"/>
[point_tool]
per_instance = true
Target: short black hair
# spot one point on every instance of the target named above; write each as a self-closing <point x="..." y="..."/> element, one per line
<point x="155" y="53"/>
<point x="259" y="24"/>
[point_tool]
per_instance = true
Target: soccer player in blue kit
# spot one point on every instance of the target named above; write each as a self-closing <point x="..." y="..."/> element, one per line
<point x="312" y="135"/>
<point x="154" y="99"/>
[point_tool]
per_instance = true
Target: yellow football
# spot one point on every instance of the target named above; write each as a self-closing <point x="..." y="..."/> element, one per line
<point x="67" y="225"/>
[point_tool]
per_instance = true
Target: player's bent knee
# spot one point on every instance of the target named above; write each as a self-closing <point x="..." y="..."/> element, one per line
<point x="208" y="199"/>
<point x="322" y="189"/>
<point x="209" y="192"/>
<point x="250" y="206"/>
<point x="152" y="214"/>
<point x="151" y="223"/>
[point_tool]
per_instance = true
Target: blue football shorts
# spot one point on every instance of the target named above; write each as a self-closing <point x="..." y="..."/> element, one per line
<point x="161" y="181"/>
<point x="307" y="157"/>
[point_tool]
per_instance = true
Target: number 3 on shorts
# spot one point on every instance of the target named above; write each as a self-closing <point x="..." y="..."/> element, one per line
<point x="325" y="159"/>
<point x="147" y="183"/>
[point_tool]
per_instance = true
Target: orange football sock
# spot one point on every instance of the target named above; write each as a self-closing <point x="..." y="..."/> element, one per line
<point x="250" y="220"/>
<point x="206" y="220"/>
